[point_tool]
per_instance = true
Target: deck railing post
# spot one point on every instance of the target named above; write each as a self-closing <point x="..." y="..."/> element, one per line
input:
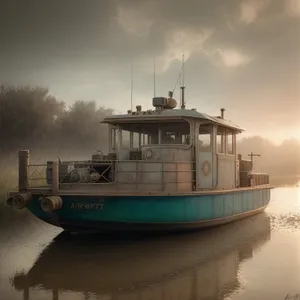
<point x="55" y="294"/>
<point x="162" y="176"/>
<point x="26" y="295"/>
<point x="55" y="178"/>
<point x="23" y="169"/>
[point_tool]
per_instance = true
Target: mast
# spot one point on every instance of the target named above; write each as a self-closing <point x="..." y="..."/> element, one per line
<point x="252" y="155"/>
<point x="131" y="85"/>
<point x="182" y="85"/>
<point x="154" y="75"/>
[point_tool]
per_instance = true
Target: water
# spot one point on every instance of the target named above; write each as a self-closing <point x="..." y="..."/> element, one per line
<point x="257" y="258"/>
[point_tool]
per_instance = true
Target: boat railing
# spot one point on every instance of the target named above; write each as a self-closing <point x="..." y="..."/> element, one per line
<point x="37" y="175"/>
<point x="117" y="175"/>
<point x="124" y="174"/>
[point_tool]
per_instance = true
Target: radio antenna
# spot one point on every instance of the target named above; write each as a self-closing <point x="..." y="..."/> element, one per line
<point x="154" y="76"/>
<point x="131" y="85"/>
<point x="182" y="85"/>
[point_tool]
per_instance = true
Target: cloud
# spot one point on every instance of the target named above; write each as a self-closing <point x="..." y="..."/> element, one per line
<point x="233" y="58"/>
<point x="133" y="21"/>
<point x="182" y="41"/>
<point x="251" y="9"/>
<point x="292" y="8"/>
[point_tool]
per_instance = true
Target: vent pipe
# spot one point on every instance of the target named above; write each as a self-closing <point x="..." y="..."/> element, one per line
<point x="182" y="97"/>
<point x="222" y="113"/>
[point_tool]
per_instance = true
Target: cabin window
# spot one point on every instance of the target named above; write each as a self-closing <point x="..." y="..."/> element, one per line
<point x="205" y="138"/>
<point x="175" y="134"/>
<point x="153" y="138"/>
<point x="138" y="135"/>
<point x="229" y="134"/>
<point x="185" y="139"/>
<point x="125" y="139"/>
<point x="173" y="137"/>
<point x="135" y="140"/>
<point x="167" y="137"/>
<point x="145" y="139"/>
<point x="221" y="137"/>
<point x="130" y="139"/>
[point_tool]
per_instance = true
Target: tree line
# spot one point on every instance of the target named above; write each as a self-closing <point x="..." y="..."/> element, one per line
<point x="31" y="118"/>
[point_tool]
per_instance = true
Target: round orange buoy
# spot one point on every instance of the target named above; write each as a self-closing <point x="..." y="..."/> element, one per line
<point x="19" y="201"/>
<point x="51" y="203"/>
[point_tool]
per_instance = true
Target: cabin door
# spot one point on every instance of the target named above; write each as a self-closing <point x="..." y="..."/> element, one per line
<point x="204" y="174"/>
<point x="204" y="156"/>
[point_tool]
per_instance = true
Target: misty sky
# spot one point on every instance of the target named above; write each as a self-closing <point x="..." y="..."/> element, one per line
<point x="241" y="55"/>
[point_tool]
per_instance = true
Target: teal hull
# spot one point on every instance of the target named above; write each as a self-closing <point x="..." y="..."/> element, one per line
<point x="174" y="212"/>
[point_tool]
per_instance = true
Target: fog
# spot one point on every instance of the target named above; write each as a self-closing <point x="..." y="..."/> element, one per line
<point x="31" y="118"/>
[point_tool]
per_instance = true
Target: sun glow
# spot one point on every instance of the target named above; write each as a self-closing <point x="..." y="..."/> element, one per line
<point x="295" y="133"/>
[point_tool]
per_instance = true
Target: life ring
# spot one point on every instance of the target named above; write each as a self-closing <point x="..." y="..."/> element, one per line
<point x="206" y="168"/>
<point x="148" y="154"/>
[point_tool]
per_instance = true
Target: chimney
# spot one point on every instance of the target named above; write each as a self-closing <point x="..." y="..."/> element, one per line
<point x="222" y="113"/>
<point x="170" y="94"/>
<point x="138" y="108"/>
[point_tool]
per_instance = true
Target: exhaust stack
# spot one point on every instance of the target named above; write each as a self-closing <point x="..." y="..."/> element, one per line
<point x="222" y="113"/>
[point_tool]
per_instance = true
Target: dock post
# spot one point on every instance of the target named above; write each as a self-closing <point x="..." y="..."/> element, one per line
<point x="26" y="293"/>
<point x="55" y="178"/>
<point x="23" y="169"/>
<point x="55" y="294"/>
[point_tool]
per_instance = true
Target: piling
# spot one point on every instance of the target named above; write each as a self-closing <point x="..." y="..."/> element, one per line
<point x="55" y="178"/>
<point x="23" y="169"/>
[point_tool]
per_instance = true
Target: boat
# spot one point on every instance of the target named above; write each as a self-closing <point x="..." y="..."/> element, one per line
<point x="166" y="169"/>
<point x="194" y="265"/>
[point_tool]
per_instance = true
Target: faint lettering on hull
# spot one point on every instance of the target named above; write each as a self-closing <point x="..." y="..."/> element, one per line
<point x="87" y="206"/>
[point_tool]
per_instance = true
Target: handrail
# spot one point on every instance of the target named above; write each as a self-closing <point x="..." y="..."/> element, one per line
<point x="93" y="162"/>
<point x="108" y="172"/>
<point x="178" y="146"/>
<point x="137" y="174"/>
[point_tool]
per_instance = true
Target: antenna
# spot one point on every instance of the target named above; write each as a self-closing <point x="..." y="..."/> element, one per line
<point x="183" y="70"/>
<point x="182" y="85"/>
<point x="131" y="85"/>
<point x="253" y="154"/>
<point x="154" y="79"/>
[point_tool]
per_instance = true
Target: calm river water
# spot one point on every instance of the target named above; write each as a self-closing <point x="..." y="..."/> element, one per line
<point x="257" y="258"/>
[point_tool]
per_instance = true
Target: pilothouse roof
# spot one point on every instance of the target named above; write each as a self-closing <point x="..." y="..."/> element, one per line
<point x="165" y="113"/>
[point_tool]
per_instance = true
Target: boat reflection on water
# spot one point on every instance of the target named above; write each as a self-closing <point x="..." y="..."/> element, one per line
<point x="199" y="265"/>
